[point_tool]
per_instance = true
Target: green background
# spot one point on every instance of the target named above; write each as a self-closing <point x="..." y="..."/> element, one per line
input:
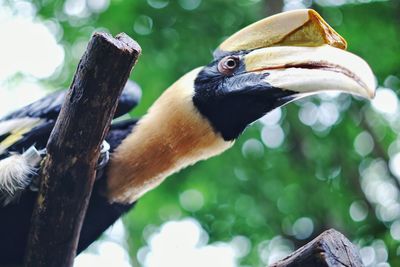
<point x="253" y="190"/>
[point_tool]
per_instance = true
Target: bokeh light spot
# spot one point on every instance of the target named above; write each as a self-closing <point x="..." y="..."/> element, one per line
<point x="252" y="148"/>
<point x="143" y="25"/>
<point x="395" y="230"/>
<point x="98" y="5"/>
<point x="367" y="255"/>
<point x="189" y="4"/>
<point x="158" y="4"/>
<point x="272" y="137"/>
<point x="307" y="113"/>
<point x="392" y="82"/>
<point x="394" y="164"/>
<point x="358" y="211"/>
<point x="270" y="251"/>
<point x="191" y="200"/>
<point x="184" y="243"/>
<point x="328" y="114"/>
<point x="40" y="58"/>
<point x="363" y="144"/>
<point x="272" y="118"/>
<point x="241" y="245"/>
<point x="75" y="8"/>
<point x="385" y="101"/>
<point x="303" y="228"/>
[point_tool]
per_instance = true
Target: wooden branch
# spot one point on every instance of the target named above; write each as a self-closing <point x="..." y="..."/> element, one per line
<point x="68" y="171"/>
<point x="329" y="249"/>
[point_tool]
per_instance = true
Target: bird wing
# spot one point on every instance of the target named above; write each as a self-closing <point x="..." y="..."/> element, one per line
<point x="24" y="134"/>
<point x="47" y="108"/>
<point x="15" y="218"/>
<point x="32" y="124"/>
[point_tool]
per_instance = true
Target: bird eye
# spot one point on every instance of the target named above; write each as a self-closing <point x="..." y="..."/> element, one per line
<point x="228" y="64"/>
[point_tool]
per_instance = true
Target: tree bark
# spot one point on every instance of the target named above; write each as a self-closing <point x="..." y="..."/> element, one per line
<point x="329" y="249"/>
<point x="68" y="171"/>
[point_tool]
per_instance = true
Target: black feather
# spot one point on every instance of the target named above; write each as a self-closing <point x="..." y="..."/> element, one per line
<point x="15" y="217"/>
<point x="49" y="106"/>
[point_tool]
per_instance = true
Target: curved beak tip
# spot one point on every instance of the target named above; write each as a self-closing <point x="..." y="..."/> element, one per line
<point x="371" y="85"/>
<point x="302" y="53"/>
<point x="372" y="93"/>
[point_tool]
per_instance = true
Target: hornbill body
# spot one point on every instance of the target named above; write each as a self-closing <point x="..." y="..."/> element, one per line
<point x="265" y="65"/>
<point x="16" y="216"/>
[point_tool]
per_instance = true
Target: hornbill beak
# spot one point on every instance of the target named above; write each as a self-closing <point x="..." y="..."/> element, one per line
<point x="300" y="53"/>
<point x="256" y="70"/>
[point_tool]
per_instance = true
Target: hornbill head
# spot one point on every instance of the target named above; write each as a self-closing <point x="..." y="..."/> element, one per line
<point x="263" y="66"/>
<point x="272" y="62"/>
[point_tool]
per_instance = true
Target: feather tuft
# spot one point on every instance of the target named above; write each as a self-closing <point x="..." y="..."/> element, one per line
<point x="16" y="172"/>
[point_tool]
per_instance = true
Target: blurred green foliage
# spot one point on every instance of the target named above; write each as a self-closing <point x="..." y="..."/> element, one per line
<point x="253" y="190"/>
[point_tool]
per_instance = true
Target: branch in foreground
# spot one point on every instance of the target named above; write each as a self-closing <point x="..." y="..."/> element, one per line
<point x="68" y="171"/>
<point x="329" y="249"/>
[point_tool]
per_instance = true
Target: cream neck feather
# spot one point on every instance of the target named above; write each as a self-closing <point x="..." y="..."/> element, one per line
<point x="171" y="136"/>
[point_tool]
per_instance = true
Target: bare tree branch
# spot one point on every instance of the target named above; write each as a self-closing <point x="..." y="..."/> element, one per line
<point x="68" y="171"/>
<point x="329" y="249"/>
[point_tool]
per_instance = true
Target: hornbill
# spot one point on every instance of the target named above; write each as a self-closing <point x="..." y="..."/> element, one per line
<point x="261" y="67"/>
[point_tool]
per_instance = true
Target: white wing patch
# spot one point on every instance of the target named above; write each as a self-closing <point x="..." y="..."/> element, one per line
<point x="16" y="128"/>
<point x="16" y="172"/>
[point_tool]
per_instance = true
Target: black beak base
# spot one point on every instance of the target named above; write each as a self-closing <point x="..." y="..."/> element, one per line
<point x="231" y="103"/>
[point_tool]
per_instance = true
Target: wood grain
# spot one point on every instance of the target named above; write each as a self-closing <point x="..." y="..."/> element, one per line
<point x="68" y="171"/>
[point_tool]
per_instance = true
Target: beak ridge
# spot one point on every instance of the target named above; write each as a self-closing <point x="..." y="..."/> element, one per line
<point x="304" y="27"/>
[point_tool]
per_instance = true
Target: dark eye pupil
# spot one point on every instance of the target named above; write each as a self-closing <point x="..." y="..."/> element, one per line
<point x="228" y="65"/>
<point x="231" y="63"/>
